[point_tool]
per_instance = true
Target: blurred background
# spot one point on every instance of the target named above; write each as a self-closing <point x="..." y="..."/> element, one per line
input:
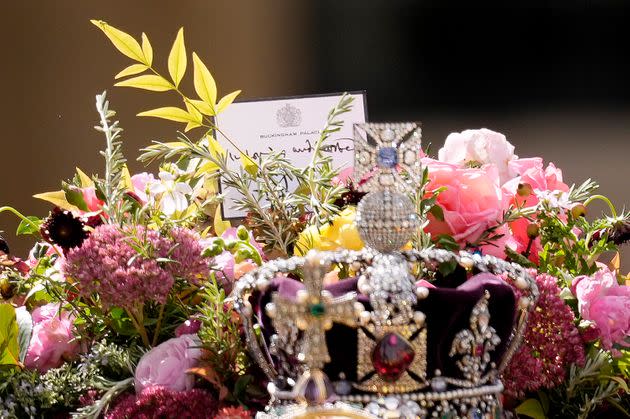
<point x="553" y="76"/>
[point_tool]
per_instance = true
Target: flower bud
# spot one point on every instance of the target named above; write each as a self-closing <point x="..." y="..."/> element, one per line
<point x="524" y="189"/>
<point x="533" y="230"/>
<point x="230" y="244"/>
<point x="243" y="253"/>
<point x="213" y="250"/>
<point x="578" y="210"/>
<point x="242" y="233"/>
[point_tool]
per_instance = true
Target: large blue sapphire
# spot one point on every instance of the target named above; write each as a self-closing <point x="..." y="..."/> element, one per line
<point x="387" y="157"/>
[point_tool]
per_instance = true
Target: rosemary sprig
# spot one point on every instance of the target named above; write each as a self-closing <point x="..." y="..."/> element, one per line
<point x="114" y="159"/>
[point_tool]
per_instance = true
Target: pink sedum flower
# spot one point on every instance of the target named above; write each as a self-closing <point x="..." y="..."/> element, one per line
<point x="159" y="402"/>
<point x="551" y="343"/>
<point x="52" y="341"/>
<point x="167" y="364"/>
<point x="607" y="304"/>
<point x="471" y="203"/>
<point x="478" y="147"/>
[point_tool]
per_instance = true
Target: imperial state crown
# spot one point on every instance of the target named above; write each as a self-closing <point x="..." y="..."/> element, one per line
<point x="386" y="343"/>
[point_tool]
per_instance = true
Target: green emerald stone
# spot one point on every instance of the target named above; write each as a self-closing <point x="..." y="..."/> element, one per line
<point x="317" y="310"/>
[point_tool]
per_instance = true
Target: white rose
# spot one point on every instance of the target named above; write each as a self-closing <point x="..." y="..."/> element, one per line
<point x="476" y="147"/>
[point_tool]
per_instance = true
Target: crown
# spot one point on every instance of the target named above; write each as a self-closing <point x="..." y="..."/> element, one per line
<point x="385" y="343"/>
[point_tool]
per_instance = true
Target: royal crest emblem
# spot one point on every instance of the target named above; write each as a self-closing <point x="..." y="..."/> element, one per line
<point x="289" y="116"/>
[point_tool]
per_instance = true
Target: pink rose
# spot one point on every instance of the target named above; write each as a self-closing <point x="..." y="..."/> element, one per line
<point x="471" y="203"/>
<point x="543" y="182"/>
<point x="89" y="196"/>
<point x="606" y="303"/>
<point x="52" y="341"/>
<point x="141" y="182"/>
<point x="343" y="177"/>
<point x="478" y="147"/>
<point x="167" y="364"/>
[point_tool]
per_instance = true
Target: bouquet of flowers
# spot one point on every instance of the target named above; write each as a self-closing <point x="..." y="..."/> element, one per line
<point x="122" y="308"/>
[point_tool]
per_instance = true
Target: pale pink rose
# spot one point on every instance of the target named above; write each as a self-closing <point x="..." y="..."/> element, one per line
<point x="606" y="303"/>
<point x="478" y="147"/>
<point x="141" y="182"/>
<point x="52" y="341"/>
<point x="89" y="196"/>
<point x="167" y="365"/>
<point x="471" y="203"/>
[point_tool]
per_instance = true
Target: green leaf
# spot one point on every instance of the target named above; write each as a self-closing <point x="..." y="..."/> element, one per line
<point x="147" y="49"/>
<point x="25" y="331"/>
<point x="205" y="86"/>
<point x="531" y="408"/>
<point x="227" y="101"/>
<point x="437" y="212"/>
<point x="147" y="82"/>
<point x="171" y="113"/>
<point x="75" y="197"/>
<point x="131" y="70"/>
<point x="28" y="228"/>
<point x="9" y="346"/>
<point x="177" y="60"/>
<point x="122" y="41"/>
<point x="448" y="267"/>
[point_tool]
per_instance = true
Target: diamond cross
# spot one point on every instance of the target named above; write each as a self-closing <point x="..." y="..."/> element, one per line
<point x="314" y="311"/>
<point x="382" y="149"/>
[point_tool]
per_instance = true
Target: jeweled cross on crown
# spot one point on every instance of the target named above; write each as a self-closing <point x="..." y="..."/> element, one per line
<point x="382" y="149"/>
<point x="314" y="311"/>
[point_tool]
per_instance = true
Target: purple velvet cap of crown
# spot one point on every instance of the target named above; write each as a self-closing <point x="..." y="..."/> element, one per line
<point x="447" y="312"/>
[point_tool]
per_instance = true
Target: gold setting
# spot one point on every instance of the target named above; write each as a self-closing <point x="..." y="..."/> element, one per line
<point x="405" y="383"/>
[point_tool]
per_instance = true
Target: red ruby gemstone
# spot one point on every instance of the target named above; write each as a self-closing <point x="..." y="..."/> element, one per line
<point x="392" y="356"/>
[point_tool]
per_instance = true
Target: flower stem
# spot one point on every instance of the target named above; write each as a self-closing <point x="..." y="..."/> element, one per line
<point x="138" y="323"/>
<point x="613" y="211"/>
<point x="158" y="326"/>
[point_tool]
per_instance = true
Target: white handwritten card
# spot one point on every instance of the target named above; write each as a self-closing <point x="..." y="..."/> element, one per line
<point x="289" y="125"/>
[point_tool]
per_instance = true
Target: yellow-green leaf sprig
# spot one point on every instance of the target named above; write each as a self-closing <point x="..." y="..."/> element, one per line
<point x="198" y="111"/>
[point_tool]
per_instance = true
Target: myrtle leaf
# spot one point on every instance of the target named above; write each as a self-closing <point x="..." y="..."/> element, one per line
<point x="147" y="82"/>
<point x="177" y="60"/>
<point x="202" y="107"/>
<point x="171" y="113"/>
<point x="147" y="49"/>
<point x="57" y="198"/>
<point x="122" y="41"/>
<point x="131" y="70"/>
<point x="28" y="227"/>
<point x="227" y="101"/>
<point x="85" y="180"/>
<point x="205" y="86"/>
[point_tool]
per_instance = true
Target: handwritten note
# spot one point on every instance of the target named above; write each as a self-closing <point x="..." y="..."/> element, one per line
<point x="291" y="126"/>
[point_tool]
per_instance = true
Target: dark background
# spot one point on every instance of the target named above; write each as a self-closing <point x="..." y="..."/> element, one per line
<point x="553" y="76"/>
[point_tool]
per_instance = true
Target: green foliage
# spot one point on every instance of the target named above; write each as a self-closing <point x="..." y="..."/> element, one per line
<point x="275" y="214"/>
<point x="28" y="393"/>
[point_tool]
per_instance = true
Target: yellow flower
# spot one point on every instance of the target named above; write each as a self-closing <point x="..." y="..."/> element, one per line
<point x="340" y="233"/>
